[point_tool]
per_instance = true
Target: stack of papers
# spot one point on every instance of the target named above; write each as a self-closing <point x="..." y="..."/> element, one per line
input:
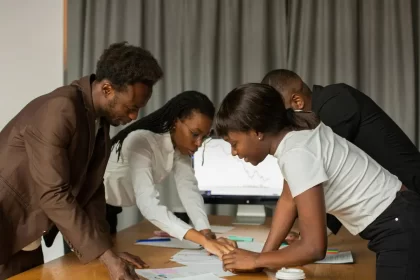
<point x="195" y="272"/>
<point x="342" y="257"/>
<point x="207" y="276"/>
<point x="193" y="257"/>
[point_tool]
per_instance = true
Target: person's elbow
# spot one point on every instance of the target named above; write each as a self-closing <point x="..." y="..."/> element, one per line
<point x="316" y="251"/>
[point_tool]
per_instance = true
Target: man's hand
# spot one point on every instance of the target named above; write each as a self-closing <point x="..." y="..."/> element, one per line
<point x="121" y="267"/>
<point x="240" y="260"/>
<point x="133" y="260"/>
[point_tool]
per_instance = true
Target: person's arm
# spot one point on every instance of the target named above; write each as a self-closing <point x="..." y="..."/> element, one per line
<point x="139" y="154"/>
<point x="340" y="111"/>
<point x="140" y="162"/>
<point x="46" y="143"/>
<point x="305" y="174"/>
<point x="313" y="243"/>
<point x="283" y="219"/>
<point x="188" y="191"/>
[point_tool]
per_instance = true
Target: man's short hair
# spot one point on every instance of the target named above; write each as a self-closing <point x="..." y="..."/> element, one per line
<point x="124" y="64"/>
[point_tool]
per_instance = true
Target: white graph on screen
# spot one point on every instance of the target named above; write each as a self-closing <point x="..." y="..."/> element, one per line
<point x="220" y="169"/>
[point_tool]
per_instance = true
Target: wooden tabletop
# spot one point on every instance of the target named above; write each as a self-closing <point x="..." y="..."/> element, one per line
<point x="68" y="266"/>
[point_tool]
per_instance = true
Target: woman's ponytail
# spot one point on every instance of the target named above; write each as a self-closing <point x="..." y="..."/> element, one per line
<point x="300" y="120"/>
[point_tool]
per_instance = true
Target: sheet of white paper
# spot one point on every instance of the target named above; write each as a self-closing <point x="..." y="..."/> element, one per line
<point x="192" y="257"/>
<point x="177" y="272"/>
<point x="251" y="246"/>
<point x="221" y="229"/>
<point x="174" y="243"/>
<point x="207" y="276"/>
<point x="341" y="257"/>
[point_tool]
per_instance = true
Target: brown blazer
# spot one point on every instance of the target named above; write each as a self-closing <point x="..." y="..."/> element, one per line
<point x="51" y="172"/>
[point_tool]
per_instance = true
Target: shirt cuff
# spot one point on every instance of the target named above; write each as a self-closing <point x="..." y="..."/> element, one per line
<point x="201" y="224"/>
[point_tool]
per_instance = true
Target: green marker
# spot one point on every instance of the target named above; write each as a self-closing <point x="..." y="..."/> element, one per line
<point x="241" y="238"/>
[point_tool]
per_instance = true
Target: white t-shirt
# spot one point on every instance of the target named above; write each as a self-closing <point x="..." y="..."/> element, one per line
<point x="356" y="188"/>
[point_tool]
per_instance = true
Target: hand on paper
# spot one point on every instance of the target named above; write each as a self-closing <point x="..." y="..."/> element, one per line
<point x="240" y="260"/>
<point x="118" y="268"/>
<point x="217" y="248"/>
<point x="133" y="260"/>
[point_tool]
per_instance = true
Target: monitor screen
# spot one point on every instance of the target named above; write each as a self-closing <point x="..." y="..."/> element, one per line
<point x="221" y="174"/>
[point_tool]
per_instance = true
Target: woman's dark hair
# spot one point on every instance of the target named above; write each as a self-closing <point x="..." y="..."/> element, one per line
<point x="124" y="64"/>
<point x="261" y="108"/>
<point x="161" y="121"/>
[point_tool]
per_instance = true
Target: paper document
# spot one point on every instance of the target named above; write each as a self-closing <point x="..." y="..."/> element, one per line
<point x="342" y="257"/>
<point x="174" y="243"/>
<point x="251" y="246"/>
<point x="193" y="257"/>
<point x="220" y="229"/>
<point x="207" y="276"/>
<point x="178" y="272"/>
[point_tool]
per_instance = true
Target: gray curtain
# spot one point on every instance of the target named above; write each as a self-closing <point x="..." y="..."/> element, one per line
<point x="214" y="45"/>
<point x="368" y="44"/>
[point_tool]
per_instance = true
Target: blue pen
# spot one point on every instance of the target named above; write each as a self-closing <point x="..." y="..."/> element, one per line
<point x="153" y="240"/>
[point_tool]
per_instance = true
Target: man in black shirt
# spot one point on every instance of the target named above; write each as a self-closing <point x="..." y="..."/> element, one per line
<point x="357" y="118"/>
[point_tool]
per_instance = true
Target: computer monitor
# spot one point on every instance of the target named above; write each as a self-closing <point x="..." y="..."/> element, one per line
<point x="226" y="179"/>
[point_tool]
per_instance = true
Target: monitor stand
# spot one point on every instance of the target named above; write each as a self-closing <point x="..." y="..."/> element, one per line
<point x="250" y="215"/>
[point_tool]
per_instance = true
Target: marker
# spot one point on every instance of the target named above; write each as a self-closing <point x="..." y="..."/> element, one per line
<point x="153" y="240"/>
<point x="241" y="238"/>
<point x="332" y="251"/>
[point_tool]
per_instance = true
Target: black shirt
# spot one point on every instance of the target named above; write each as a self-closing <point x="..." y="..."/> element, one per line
<point x="356" y="117"/>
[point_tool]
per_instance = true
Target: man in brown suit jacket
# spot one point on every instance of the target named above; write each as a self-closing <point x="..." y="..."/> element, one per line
<point x="53" y="156"/>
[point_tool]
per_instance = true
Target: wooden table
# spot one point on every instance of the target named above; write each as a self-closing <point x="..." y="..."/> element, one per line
<point x="68" y="266"/>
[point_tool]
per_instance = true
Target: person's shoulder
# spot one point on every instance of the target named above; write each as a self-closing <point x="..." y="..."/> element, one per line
<point x="339" y="89"/>
<point x="65" y="97"/>
<point x="140" y="138"/>
<point x="297" y="140"/>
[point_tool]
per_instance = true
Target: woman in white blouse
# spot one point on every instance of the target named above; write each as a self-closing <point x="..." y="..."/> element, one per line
<point x="323" y="173"/>
<point x="145" y="152"/>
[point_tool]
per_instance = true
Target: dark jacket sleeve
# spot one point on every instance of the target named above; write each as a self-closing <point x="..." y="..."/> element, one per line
<point x="340" y="111"/>
<point x="47" y="138"/>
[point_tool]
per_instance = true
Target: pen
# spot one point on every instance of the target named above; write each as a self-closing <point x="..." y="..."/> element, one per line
<point x="241" y="238"/>
<point x="153" y="240"/>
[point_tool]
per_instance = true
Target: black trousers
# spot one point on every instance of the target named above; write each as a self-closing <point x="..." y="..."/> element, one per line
<point x="395" y="238"/>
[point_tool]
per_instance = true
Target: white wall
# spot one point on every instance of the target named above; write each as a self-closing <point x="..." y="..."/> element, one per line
<point x="31" y="52"/>
<point x="31" y="60"/>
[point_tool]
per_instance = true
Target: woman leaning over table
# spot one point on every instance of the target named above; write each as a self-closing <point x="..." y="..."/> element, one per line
<point x="145" y="152"/>
<point x="323" y="173"/>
